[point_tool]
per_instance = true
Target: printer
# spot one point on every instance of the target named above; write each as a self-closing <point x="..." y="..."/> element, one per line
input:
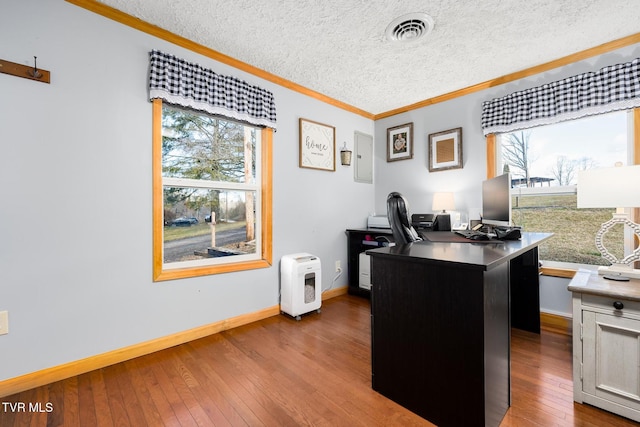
<point x="378" y="221"/>
<point x="424" y="222"/>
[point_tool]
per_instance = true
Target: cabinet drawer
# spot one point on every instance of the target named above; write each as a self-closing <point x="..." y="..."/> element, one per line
<point x="607" y="304"/>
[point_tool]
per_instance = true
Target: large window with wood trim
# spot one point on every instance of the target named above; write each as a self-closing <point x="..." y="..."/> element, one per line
<point x="212" y="183"/>
<point x="570" y="111"/>
<point x="544" y="162"/>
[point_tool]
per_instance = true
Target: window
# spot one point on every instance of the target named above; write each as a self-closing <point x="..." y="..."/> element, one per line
<point x="544" y="162"/>
<point x="212" y="194"/>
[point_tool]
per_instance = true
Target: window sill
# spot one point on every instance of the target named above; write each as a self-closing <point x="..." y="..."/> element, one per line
<point x="563" y="269"/>
<point x="182" y="273"/>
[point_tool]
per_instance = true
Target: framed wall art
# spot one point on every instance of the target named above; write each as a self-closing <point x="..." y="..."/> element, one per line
<point x="445" y="150"/>
<point x="317" y="145"/>
<point x="400" y="142"/>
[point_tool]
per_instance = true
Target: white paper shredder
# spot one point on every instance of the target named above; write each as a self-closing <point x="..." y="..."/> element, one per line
<point x="300" y="284"/>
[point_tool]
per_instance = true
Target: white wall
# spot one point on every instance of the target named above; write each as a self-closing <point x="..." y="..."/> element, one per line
<point x="413" y="179"/>
<point x="75" y="217"/>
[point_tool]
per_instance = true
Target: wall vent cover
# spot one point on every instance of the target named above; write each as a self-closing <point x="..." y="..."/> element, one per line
<point x="409" y="27"/>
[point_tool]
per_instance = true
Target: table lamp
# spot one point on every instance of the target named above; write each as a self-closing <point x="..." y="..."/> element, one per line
<point x="443" y="202"/>
<point x="617" y="187"/>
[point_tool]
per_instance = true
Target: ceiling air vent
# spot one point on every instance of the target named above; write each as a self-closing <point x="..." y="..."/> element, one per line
<point x="409" y="27"/>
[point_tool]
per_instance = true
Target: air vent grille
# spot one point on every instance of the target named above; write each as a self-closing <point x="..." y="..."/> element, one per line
<point x="409" y="27"/>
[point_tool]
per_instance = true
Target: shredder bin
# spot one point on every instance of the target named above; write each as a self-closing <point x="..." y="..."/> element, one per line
<point x="300" y="284"/>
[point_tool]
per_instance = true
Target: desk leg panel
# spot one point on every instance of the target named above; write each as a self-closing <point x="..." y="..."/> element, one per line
<point x="497" y="344"/>
<point x="428" y="339"/>
<point x="525" y="292"/>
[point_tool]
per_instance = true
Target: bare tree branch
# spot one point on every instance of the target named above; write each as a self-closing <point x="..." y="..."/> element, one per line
<point x="515" y="153"/>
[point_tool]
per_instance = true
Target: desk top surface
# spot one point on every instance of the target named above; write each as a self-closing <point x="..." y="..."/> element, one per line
<point x="471" y="253"/>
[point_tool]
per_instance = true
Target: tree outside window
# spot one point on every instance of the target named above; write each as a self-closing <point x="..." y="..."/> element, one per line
<point x="211" y="194"/>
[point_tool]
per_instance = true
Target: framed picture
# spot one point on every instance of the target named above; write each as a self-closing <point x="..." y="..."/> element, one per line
<point x="317" y="145"/>
<point x="445" y="150"/>
<point x="400" y="142"/>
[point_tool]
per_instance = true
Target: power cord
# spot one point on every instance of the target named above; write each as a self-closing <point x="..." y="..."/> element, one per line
<point x="334" y="279"/>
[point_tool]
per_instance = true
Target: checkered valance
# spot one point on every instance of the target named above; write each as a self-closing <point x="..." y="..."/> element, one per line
<point x="612" y="88"/>
<point x="179" y="82"/>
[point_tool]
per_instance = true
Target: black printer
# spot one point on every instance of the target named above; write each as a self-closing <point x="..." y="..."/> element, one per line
<point x="423" y="222"/>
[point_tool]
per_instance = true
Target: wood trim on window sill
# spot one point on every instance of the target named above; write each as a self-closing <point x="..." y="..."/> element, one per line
<point x="557" y="272"/>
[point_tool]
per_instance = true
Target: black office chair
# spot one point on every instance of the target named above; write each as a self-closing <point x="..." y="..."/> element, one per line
<point x="398" y="214"/>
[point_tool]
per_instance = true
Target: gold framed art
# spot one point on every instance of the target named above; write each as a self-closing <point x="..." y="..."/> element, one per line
<point x="445" y="150"/>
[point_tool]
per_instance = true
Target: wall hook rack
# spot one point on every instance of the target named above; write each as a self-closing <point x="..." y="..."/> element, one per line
<point x="35" y="73"/>
<point x="25" y="71"/>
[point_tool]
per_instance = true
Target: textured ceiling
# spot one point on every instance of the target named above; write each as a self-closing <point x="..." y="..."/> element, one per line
<point x="338" y="47"/>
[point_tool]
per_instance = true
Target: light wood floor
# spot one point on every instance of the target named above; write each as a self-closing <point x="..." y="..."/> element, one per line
<point x="279" y="372"/>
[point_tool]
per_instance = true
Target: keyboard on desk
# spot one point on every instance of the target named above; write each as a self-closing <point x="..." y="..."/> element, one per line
<point x="472" y="234"/>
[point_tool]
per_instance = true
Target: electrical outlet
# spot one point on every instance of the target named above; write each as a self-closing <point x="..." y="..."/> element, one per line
<point x="338" y="266"/>
<point x="4" y="322"/>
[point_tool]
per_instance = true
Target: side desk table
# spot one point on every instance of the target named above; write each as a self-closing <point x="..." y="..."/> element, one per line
<point x="359" y="241"/>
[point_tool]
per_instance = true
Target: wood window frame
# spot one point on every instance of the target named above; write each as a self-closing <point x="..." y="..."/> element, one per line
<point x="159" y="272"/>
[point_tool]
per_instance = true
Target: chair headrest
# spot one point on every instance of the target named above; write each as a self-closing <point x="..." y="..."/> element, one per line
<point x="401" y="205"/>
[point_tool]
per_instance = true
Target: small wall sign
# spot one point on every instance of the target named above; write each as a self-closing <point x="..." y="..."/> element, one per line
<point x="317" y="145"/>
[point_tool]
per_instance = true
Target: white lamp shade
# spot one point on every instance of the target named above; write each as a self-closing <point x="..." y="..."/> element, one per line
<point x="616" y="187"/>
<point x="443" y="202"/>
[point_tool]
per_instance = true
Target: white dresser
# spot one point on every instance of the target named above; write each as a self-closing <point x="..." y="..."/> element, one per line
<point x="606" y="343"/>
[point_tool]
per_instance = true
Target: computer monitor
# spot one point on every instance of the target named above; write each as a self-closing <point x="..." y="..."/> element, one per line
<point x="496" y="201"/>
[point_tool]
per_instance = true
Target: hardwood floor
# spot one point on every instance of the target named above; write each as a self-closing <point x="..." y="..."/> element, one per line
<point x="279" y="372"/>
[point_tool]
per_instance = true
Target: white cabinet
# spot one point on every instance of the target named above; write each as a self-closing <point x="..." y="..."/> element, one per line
<point x="606" y="343"/>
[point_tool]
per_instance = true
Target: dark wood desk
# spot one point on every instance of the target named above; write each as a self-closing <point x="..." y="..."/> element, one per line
<point x="360" y="240"/>
<point x="440" y="325"/>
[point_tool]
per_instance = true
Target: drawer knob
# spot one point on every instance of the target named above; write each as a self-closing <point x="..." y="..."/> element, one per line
<point x="618" y="305"/>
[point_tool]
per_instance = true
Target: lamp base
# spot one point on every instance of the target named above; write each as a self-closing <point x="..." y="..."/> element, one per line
<point x="619" y="272"/>
<point x="443" y="222"/>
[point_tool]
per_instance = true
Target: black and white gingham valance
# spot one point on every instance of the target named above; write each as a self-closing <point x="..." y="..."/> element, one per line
<point x="612" y="88"/>
<point x="189" y="85"/>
